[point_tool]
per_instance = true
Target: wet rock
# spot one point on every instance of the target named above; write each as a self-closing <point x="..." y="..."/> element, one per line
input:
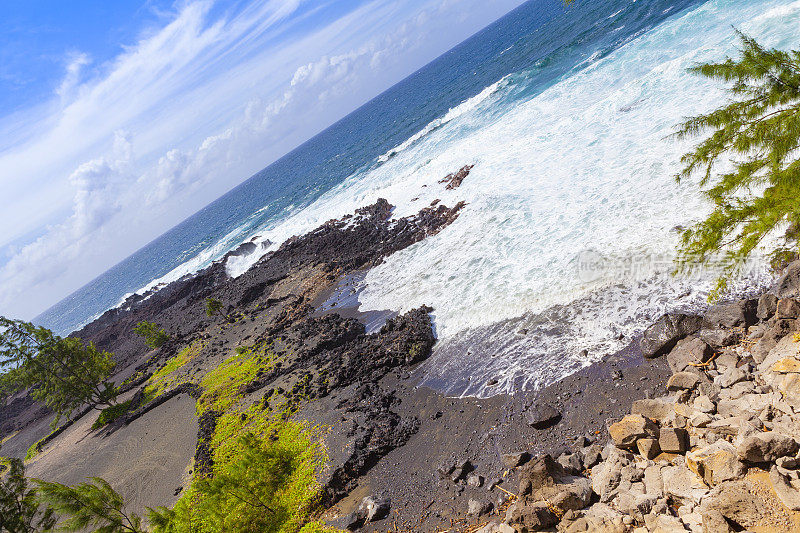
<point x="715" y="463"/>
<point x="766" y="447"/>
<point x="631" y="428"/>
<point x="665" y="333"/>
<point x="689" y="351"/>
<point x="542" y="416"/>
<point x="454" y="180"/>
<point x="788" y="285"/>
<point x="682" y="380"/>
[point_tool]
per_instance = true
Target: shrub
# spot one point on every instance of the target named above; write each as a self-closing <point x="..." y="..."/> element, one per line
<point x="153" y="336"/>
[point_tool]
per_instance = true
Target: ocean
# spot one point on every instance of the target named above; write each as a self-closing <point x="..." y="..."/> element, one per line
<point x="563" y="252"/>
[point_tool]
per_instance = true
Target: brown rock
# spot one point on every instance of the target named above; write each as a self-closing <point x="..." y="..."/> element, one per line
<point x="736" y="501"/>
<point x="715" y="463"/>
<point x="682" y="380"/>
<point x="654" y="409"/>
<point x="766" y="447"/>
<point x="688" y="351"/>
<point x="627" y="431"/>
<point x="673" y="440"/>
<point x="767" y="305"/>
<point x="648" y="448"/>
<point x="788" y="308"/>
<point x="787" y="365"/>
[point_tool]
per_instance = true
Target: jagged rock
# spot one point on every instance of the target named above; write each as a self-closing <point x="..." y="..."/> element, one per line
<point x="766" y="447"/>
<point x="736" y="502"/>
<point x="374" y="508"/>
<point x="607" y="475"/>
<point x="788" y="285"/>
<point x="788" y="308"/>
<point x="788" y="490"/>
<point x="631" y="428"/>
<point x="461" y="469"/>
<point x="687" y="352"/>
<point x="720" y="337"/>
<point x="683" y="485"/>
<point x="700" y="420"/>
<point x="592" y="455"/>
<point x="703" y="403"/>
<point x="543" y="416"/>
<point x="515" y="459"/>
<point x="653" y="480"/>
<point x="494" y="527"/>
<point x="664" y="523"/>
<point x="530" y="517"/>
<point x="545" y="479"/>
<point x="653" y="408"/>
<point x="777" y="331"/>
<point x="665" y="333"/>
<point x="767" y="305"/>
<point x="715" y="463"/>
<point x="673" y="440"/>
<point x="682" y="380"/>
<point x="732" y="315"/>
<point x="648" y="448"/>
<point x="349" y="522"/>
<point x="731" y="376"/>
<point x="571" y="463"/>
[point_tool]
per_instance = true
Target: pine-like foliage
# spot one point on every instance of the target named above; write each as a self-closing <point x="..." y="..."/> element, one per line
<point x="153" y="336"/>
<point x="759" y="131"/>
<point x="20" y="510"/>
<point x="92" y="506"/>
<point x="213" y="306"/>
<point x="63" y="373"/>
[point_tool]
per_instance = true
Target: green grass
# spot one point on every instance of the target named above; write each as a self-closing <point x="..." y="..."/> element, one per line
<point x="222" y="386"/>
<point x="111" y="413"/>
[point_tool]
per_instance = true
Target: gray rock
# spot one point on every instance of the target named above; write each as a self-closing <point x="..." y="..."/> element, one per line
<point x="788" y="285"/>
<point x="688" y="351"/>
<point x="732" y="315"/>
<point x="653" y="408"/>
<point x="731" y="376"/>
<point x="349" y="522"/>
<point x="775" y="332"/>
<point x="474" y="480"/>
<point x="592" y="455"/>
<point x="736" y="502"/>
<point x="683" y="485"/>
<point x="531" y="517"/>
<point x="682" y="380"/>
<point x="478" y="507"/>
<point x="542" y="416"/>
<point x="703" y="403"/>
<point x="766" y="447"/>
<point x="767" y="305"/>
<point x="715" y="463"/>
<point x="665" y="333"/>
<point x="571" y="463"/>
<point x="673" y="440"/>
<point x="788" y="308"/>
<point x="720" y="337"/>
<point x="515" y="459"/>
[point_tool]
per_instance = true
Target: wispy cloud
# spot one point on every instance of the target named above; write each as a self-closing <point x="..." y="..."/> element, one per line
<point x="128" y="148"/>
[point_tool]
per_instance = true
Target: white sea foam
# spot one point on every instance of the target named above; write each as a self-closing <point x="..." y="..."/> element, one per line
<point x="583" y="165"/>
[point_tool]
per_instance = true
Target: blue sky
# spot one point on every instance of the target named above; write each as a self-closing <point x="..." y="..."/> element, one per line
<point x="119" y="119"/>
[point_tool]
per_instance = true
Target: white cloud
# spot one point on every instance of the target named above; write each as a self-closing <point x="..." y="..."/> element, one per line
<point x="204" y="102"/>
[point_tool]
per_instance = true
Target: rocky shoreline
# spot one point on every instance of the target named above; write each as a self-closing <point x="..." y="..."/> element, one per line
<point x="690" y="427"/>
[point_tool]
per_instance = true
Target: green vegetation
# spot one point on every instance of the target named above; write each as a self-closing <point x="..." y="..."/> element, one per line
<point x="20" y="509"/>
<point x="756" y="136"/>
<point x="109" y="414"/>
<point x="153" y="336"/>
<point x="62" y="373"/>
<point x="213" y="306"/>
<point x="164" y="378"/>
<point x="223" y="384"/>
<point x="92" y="505"/>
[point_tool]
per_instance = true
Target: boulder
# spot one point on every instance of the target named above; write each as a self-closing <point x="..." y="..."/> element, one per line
<point x="788" y="308"/>
<point x="731" y="376"/>
<point x="733" y="315"/>
<point x="571" y="463"/>
<point x="682" y="380"/>
<point x="530" y="517"/>
<point x="767" y="305"/>
<point x="542" y="416"/>
<point x="714" y="522"/>
<point x="720" y="338"/>
<point x="715" y="463"/>
<point x="673" y="440"/>
<point x="653" y="408"/>
<point x="683" y="485"/>
<point x="631" y="428"/>
<point x="703" y="403"/>
<point x="688" y="351"/>
<point x="665" y="333"/>
<point x="478" y="507"/>
<point x="787" y="365"/>
<point x="766" y="447"/>
<point x="545" y="479"/>
<point x="772" y="336"/>
<point x="607" y="475"/>
<point x="788" y="285"/>
<point x="737" y="502"/>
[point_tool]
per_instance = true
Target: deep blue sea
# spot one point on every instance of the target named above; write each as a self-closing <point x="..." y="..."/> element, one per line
<point x="564" y="112"/>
